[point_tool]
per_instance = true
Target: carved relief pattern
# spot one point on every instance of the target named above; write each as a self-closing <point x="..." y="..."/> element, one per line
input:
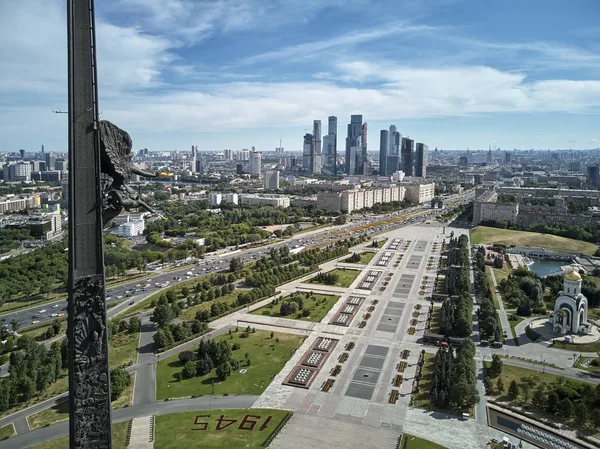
<point x="90" y="364"/>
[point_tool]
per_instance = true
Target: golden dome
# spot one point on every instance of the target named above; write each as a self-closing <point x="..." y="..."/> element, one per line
<point x="573" y="275"/>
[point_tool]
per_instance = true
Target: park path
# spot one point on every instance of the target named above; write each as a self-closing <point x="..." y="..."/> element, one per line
<point x="502" y="313"/>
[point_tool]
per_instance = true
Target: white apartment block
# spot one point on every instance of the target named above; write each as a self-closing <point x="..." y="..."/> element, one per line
<point x="231" y="198"/>
<point x="420" y="193"/>
<point x="348" y="201"/>
<point x="131" y="229"/>
<point x="271" y="200"/>
<point x="215" y="198"/>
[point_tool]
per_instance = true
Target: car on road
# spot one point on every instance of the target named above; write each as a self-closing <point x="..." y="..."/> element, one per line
<point x="35" y="316"/>
<point x="120" y="297"/>
<point x="55" y="306"/>
<point x="61" y="314"/>
<point x="35" y="321"/>
<point x="42" y="311"/>
<point x="54" y="315"/>
<point x="131" y="303"/>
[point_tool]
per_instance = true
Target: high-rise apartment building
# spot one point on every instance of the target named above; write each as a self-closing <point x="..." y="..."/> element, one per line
<point x="393" y="163"/>
<point x="255" y="164"/>
<point x="507" y="157"/>
<point x="354" y="149"/>
<point x="307" y="151"/>
<point x="271" y="179"/>
<point x="329" y="154"/>
<point x="422" y="160"/>
<point x="51" y="161"/>
<point x="227" y="155"/>
<point x="194" y="158"/>
<point x="315" y="155"/>
<point x="593" y="175"/>
<point x="384" y="147"/>
<point x="407" y="156"/>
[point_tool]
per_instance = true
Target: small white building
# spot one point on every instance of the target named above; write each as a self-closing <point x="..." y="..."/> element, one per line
<point x="571" y="307"/>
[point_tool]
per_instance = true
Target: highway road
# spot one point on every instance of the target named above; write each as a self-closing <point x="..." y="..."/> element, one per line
<point x="220" y="262"/>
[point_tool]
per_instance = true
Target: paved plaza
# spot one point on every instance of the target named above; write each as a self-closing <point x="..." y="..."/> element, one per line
<point x="368" y="352"/>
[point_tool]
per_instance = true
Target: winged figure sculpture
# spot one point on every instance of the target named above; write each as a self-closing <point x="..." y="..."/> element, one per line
<point x="117" y="167"/>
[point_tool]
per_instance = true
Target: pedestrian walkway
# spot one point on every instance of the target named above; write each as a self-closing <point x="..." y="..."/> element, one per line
<point x="502" y="313"/>
<point x="142" y="433"/>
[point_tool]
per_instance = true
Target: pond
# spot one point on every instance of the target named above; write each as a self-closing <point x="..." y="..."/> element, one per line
<point x="545" y="268"/>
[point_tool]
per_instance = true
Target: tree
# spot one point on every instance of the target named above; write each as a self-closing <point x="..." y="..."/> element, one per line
<point x="565" y="408"/>
<point x="186" y="356"/>
<point x="513" y="390"/>
<point x="526" y="391"/>
<point x="236" y="265"/>
<point x="14" y="324"/>
<point x="162" y="315"/>
<point x="185" y="291"/>
<point x="119" y="380"/>
<point x="224" y="370"/>
<point x="189" y="370"/>
<point x="496" y="366"/>
<point x="203" y="315"/>
<point x="595" y="416"/>
<point x="204" y="366"/>
<point x="135" y="324"/>
<point x="500" y="386"/>
<point x="539" y="398"/>
<point x="552" y="402"/>
<point x="582" y="416"/>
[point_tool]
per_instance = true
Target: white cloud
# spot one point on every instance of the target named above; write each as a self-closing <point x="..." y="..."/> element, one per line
<point x="314" y="49"/>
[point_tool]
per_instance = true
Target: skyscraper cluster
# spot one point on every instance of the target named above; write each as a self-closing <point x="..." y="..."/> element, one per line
<point x="399" y="153"/>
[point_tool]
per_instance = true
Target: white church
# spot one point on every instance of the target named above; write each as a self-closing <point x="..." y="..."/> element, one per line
<point x="571" y="307"/>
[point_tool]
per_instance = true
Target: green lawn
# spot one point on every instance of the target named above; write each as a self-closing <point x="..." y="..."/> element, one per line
<point x="267" y="358"/>
<point x="536" y="378"/>
<point x="488" y="235"/>
<point x="36" y="330"/>
<point x="317" y="304"/>
<point x="189" y="313"/>
<point x="119" y="434"/>
<point x="60" y="412"/>
<point x="185" y="430"/>
<point x="435" y="320"/>
<point x="513" y="324"/>
<point x="365" y="258"/>
<point x="422" y="399"/>
<point x="378" y="243"/>
<point x="346" y="277"/>
<point x="122" y="349"/>
<point x="493" y="289"/>
<point x="591" y="367"/>
<point x="502" y="273"/>
<point x="413" y="442"/>
<point x="7" y="431"/>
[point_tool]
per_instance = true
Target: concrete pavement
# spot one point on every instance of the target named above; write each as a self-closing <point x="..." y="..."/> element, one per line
<point x="502" y="313"/>
<point x="144" y="390"/>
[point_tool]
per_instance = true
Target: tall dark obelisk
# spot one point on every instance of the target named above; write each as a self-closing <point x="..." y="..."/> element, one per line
<point x="89" y="382"/>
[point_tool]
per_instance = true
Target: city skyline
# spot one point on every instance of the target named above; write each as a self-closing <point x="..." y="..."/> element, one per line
<point x="470" y="75"/>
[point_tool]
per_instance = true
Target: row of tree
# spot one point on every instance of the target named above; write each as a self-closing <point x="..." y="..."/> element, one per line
<point x="169" y="334"/>
<point x="209" y="355"/>
<point x="489" y="320"/>
<point x="454" y="380"/>
<point x="523" y="289"/>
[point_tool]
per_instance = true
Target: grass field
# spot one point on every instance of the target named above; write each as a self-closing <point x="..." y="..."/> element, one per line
<point x="488" y="235"/>
<point x="365" y="258"/>
<point x="267" y="358"/>
<point x="513" y="324"/>
<point x="317" y="304"/>
<point x="190" y="312"/>
<point x="181" y="430"/>
<point x="413" y="442"/>
<point x="435" y="320"/>
<point x="119" y="434"/>
<point x="536" y="378"/>
<point x="60" y="412"/>
<point x="421" y="399"/>
<point x="492" y="288"/>
<point x="346" y="277"/>
<point x="122" y="349"/>
<point x="7" y="431"/>
<point x="502" y="273"/>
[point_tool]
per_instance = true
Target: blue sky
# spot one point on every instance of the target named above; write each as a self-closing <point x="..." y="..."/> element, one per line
<point x="233" y="74"/>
